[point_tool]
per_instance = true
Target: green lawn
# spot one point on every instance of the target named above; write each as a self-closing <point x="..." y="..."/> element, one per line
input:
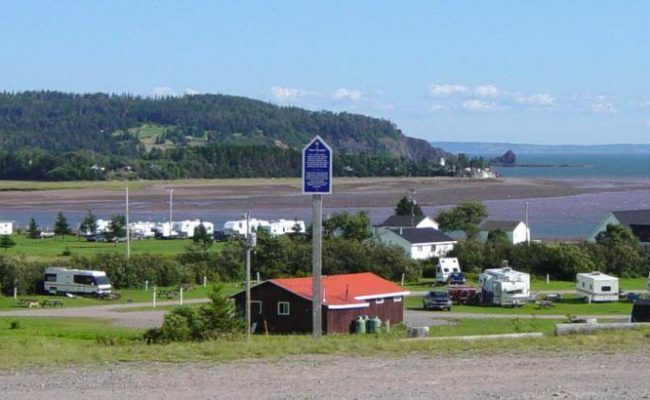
<point x="567" y="305"/>
<point x="469" y="327"/>
<point x="54" y="247"/>
<point x="68" y="341"/>
<point x="128" y="296"/>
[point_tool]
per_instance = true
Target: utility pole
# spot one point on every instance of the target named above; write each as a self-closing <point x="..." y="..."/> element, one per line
<point x="171" y="205"/>
<point x="412" y="191"/>
<point x="128" y="232"/>
<point x="316" y="259"/>
<point x="248" y="275"/>
<point x="527" y="227"/>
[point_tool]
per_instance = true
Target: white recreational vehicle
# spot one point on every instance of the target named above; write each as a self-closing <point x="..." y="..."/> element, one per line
<point x="238" y="227"/>
<point x="446" y="266"/>
<point x="504" y="286"/>
<point x="284" y="226"/>
<point x="186" y="227"/>
<point x="62" y="280"/>
<point x="597" y="287"/>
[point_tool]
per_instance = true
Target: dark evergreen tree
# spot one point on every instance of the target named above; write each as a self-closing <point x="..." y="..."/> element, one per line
<point x="61" y="227"/>
<point x="32" y="229"/>
<point x="407" y="207"/>
<point x="6" y="242"/>
<point x="89" y="224"/>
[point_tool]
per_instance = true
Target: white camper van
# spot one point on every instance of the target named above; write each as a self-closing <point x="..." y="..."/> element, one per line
<point x="597" y="287"/>
<point x="63" y="280"/>
<point x="504" y="286"/>
<point x="446" y="266"/>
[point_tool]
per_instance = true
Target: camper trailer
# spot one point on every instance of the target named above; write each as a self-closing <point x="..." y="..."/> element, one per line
<point x="597" y="287"/>
<point x="504" y="287"/>
<point x="446" y="266"/>
<point x="63" y="280"/>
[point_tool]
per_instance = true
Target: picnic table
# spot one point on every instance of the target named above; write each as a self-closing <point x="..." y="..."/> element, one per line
<point x="51" y="303"/>
<point x="29" y="303"/>
<point x="170" y="294"/>
<point x="545" y="304"/>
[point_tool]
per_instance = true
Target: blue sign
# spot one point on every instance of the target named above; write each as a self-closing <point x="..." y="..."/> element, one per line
<point x="317" y="167"/>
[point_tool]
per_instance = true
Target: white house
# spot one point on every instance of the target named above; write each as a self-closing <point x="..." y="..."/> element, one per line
<point x="517" y="231"/>
<point x="597" y="287"/>
<point x="504" y="286"/>
<point x="418" y="243"/>
<point x="238" y="227"/>
<point x="284" y="226"/>
<point x="185" y="228"/>
<point x="406" y="221"/>
<point x="102" y="225"/>
<point x="6" y="228"/>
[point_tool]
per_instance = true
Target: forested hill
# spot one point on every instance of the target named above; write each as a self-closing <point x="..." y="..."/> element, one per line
<point x="54" y="135"/>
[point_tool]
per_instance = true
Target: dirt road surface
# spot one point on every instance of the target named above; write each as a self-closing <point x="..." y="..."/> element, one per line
<point x="516" y="376"/>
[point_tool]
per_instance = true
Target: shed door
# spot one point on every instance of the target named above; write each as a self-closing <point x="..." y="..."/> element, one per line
<point x="256" y="316"/>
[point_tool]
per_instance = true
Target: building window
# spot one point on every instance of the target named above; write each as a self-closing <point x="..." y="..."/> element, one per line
<point x="379" y="301"/>
<point x="397" y="299"/>
<point x="283" y="308"/>
<point x="606" y="288"/>
<point x="419" y="248"/>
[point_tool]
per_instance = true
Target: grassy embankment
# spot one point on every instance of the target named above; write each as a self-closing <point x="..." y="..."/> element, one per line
<point x="42" y="342"/>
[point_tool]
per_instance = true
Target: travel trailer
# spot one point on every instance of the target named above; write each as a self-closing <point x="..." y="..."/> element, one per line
<point x="62" y="280"/>
<point x="597" y="287"/>
<point x="504" y="287"/>
<point x="446" y="266"/>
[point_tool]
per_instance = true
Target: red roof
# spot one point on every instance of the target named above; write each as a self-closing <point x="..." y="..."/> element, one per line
<point x="344" y="290"/>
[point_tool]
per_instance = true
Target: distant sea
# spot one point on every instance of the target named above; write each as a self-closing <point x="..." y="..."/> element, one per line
<point x="590" y="166"/>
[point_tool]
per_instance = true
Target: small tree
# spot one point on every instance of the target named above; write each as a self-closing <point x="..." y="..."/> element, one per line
<point x="61" y="227"/>
<point x="89" y="224"/>
<point x="465" y="216"/>
<point x="201" y="236"/>
<point x="32" y="230"/>
<point x="6" y="242"/>
<point x="117" y="227"/>
<point x="406" y="207"/>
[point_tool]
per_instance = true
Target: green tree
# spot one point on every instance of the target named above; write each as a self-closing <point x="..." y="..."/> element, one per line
<point x="6" y="242"/>
<point x="465" y="216"/>
<point x="201" y="236"/>
<point x="61" y="227"/>
<point x="407" y="207"/>
<point x="348" y="226"/>
<point x="116" y="227"/>
<point x="32" y="229"/>
<point x="621" y="252"/>
<point x="89" y="224"/>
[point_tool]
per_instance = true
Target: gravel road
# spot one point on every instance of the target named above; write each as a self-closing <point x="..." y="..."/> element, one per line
<point x="514" y="376"/>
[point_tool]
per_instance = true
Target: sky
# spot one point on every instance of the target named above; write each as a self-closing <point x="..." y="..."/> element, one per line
<point x="547" y="72"/>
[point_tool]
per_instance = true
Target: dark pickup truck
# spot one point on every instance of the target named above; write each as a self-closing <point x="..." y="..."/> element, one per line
<point x="436" y="300"/>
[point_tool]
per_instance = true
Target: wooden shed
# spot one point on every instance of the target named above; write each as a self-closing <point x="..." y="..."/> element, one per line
<point x="284" y="305"/>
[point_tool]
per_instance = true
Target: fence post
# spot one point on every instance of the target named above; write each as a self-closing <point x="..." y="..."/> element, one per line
<point x="154" y="297"/>
<point x="15" y="293"/>
<point x="548" y="279"/>
<point x="205" y="281"/>
<point x="146" y="286"/>
<point x="181" y="295"/>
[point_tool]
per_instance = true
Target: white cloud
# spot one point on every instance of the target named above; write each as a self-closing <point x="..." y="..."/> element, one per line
<point x="541" y="99"/>
<point x="446" y="89"/>
<point x="162" y="91"/>
<point x="486" y="91"/>
<point x="603" y="108"/>
<point x="343" y="93"/>
<point x="438" y="107"/>
<point x="480" y="105"/>
<point x="191" y="92"/>
<point x="285" y="94"/>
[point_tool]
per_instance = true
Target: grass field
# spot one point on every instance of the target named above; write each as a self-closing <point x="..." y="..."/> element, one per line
<point x="468" y="327"/>
<point x="568" y="305"/>
<point x="127" y="296"/>
<point x="46" y="342"/>
<point x="54" y="247"/>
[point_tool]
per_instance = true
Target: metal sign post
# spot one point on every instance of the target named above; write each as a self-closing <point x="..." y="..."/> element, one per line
<point x="316" y="181"/>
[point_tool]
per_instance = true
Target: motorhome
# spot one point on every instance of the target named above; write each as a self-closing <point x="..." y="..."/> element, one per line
<point x="238" y="227"/>
<point x="446" y="266"/>
<point x="186" y="227"/>
<point x="285" y="226"/>
<point x="62" y="280"/>
<point x="504" y="287"/>
<point x="597" y="287"/>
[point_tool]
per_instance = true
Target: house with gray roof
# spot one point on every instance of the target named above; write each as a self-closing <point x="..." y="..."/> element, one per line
<point x="637" y="220"/>
<point x="517" y="231"/>
<point x="406" y="221"/>
<point x="417" y="243"/>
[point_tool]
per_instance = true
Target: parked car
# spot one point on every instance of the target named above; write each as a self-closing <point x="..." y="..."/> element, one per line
<point x="436" y="300"/>
<point x="456" y="278"/>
